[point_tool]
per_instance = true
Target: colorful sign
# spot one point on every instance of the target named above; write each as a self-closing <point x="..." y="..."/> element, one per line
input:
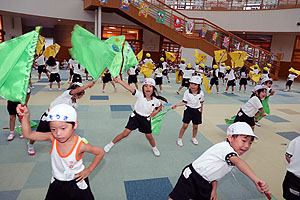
<point x="189" y="27"/>
<point x="125" y="4"/>
<point x="160" y="17"/>
<point x="203" y="32"/>
<point x="214" y="37"/>
<point x="177" y="22"/>
<point x="226" y="42"/>
<point x="144" y="10"/>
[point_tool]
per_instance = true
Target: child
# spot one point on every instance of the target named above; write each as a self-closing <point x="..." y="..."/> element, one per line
<point x="78" y="70"/>
<point x="214" y="80"/>
<point x="69" y="97"/>
<point x="158" y="77"/>
<point x="199" y="179"/>
<point x="187" y="74"/>
<point x="106" y="79"/>
<point x="145" y="108"/>
<point x="165" y="69"/>
<point x="40" y="62"/>
<point x="193" y="100"/>
<point x="222" y="71"/>
<point x="243" y="78"/>
<point x="267" y="82"/>
<point x="291" y="183"/>
<point x="182" y="66"/>
<point x="231" y="79"/>
<point x="53" y="67"/>
<point x="71" y="63"/>
<point x="132" y="75"/>
<point x="146" y="60"/>
<point x="265" y="73"/>
<point x="251" y="108"/>
<point x="11" y="108"/>
<point x="290" y="81"/>
<point x="69" y="176"/>
<point x="256" y="71"/>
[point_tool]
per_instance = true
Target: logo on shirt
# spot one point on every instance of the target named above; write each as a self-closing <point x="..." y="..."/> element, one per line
<point x="71" y="164"/>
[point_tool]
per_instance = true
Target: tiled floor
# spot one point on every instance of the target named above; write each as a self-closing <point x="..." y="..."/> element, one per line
<point x="129" y="170"/>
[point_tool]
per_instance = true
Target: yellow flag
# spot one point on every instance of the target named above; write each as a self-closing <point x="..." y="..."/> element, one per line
<point x="150" y="65"/>
<point x="146" y="71"/>
<point x="139" y="56"/>
<point x="52" y="50"/>
<point x="237" y="58"/>
<point x="40" y="44"/>
<point x="221" y="55"/>
<point x="200" y="57"/>
<point x="294" y="71"/>
<point x="170" y="56"/>
<point x="205" y="83"/>
<point x="252" y="67"/>
<point x="255" y="77"/>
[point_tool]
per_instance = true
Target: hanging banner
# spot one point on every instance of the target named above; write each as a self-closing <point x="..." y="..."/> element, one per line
<point x="189" y="27"/>
<point x="144" y="10"/>
<point x="160" y="17"/>
<point x="125" y="4"/>
<point x="220" y="55"/>
<point x="214" y="37"/>
<point x="236" y="46"/>
<point x="246" y="47"/>
<point x="177" y="22"/>
<point x="226" y="42"/>
<point x="203" y="32"/>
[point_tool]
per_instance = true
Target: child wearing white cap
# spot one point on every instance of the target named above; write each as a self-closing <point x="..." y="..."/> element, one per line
<point x="145" y="108"/>
<point x="291" y="183"/>
<point x="250" y="110"/>
<point x="193" y="99"/>
<point x="69" y="175"/>
<point x="199" y="179"/>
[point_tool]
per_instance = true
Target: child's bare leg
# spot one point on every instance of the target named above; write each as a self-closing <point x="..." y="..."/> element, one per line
<point x="113" y="84"/>
<point x="40" y="76"/>
<point x="12" y="122"/>
<point x="232" y="89"/>
<point x="182" y="130"/>
<point x="47" y="75"/>
<point x="51" y="84"/>
<point x="195" y="130"/>
<point x="217" y="86"/>
<point x="150" y="139"/>
<point x="122" y="135"/>
<point x="245" y="88"/>
<point x="58" y="84"/>
<point x="160" y="87"/>
<point x="136" y="86"/>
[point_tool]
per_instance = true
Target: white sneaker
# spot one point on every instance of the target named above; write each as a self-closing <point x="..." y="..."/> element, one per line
<point x="32" y="87"/>
<point x="285" y="90"/>
<point x="10" y="137"/>
<point x="115" y="89"/>
<point x="59" y="89"/>
<point x="217" y="92"/>
<point x="225" y="92"/>
<point x="108" y="147"/>
<point x="30" y="149"/>
<point x="258" y="124"/>
<point x="155" y="151"/>
<point x="50" y="89"/>
<point x="22" y="136"/>
<point x="179" y="142"/>
<point x="195" y="141"/>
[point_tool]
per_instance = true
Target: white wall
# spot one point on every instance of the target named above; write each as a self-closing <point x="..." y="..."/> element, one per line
<point x="151" y="41"/>
<point x="284" y="20"/>
<point x="12" y="26"/>
<point x="188" y="55"/>
<point x="66" y="9"/>
<point x="283" y="43"/>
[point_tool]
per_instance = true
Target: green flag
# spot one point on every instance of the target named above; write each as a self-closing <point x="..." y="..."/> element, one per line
<point x="130" y="59"/>
<point x="90" y="52"/>
<point x="115" y="44"/>
<point x="32" y="125"/>
<point x="231" y="120"/>
<point x="156" y="122"/>
<point x="16" y="60"/>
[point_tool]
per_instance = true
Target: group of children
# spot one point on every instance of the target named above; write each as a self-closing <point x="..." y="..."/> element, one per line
<point x="199" y="179"/>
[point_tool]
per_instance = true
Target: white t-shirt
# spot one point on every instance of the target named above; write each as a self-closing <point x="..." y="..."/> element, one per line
<point x="243" y="75"/>
<point x="40" y="60"/>
<point x="231" y="75"/>
<point x="293" y="151"/>
<point x="214" y="163"/>
<point x="197" y="68"/>
<point x="146" y="60"/>
<point x="216" y="72"/>
<point x="165" y="65"/>
<point x="64" y="98"/>
<point x="182" y="66"/>
<point x="144" y="107"/>
<point x="54" y="69"/>
<point x="158" y="72"/>
<point x="264" y="76"/>
<point x="252" y="106"/>
<point x="222" y="69"/>
<point x="255" y="71"/>
<point x="193" y="100"/>
<point x="292" y="77"/>
<point x="131" y="70"/>
<point x="188" y="73"/>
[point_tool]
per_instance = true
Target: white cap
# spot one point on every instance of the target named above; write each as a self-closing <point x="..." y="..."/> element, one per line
<point x="266" y="79"/>
<point x="196" y="80"/>
<point x="62" y="112"/>
<point x="241" y="128"/>
<point x="259" y="87"/>
<point x="149" y="81"/>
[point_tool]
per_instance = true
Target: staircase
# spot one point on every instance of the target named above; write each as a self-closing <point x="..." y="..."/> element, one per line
<point x="256" y="55"/>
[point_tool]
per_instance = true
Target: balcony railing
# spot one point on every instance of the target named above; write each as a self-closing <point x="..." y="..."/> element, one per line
<point x="231" y="4"/>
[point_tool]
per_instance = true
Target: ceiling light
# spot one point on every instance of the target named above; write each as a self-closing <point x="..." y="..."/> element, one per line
<point x="111" y="27"/>
<point x="131" y="32"/>
<point x="59" y="20"/>
<point x="108" y="32"/>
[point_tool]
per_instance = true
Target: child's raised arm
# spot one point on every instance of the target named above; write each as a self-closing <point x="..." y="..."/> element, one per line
<point x="98" y="152"/>
<point x="245" y="168"/>
<point x="26" y="128"/>
<point x="80" y="89"/>
<point x="125" y="85"/>
<point x="179" y="104"/>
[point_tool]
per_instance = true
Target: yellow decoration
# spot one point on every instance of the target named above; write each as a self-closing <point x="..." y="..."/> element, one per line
<point x="40" y="44"/>
<point x="200" y="57"/>
<point x="266" y="69"/>
<point x="215" y="66"/>
<point x="178" y="79"/>
<point x="202" y="65"/>
<point x="205" y="83"/>
<point x="162" y="59"/>
<point x="255" y="67"/>
<point x="183" y="60"/>
<point x="148" y="55"/>
<point x="238" y="58"/>
<point x="189" y="66"/>
<point x="220" y="55"/>
<point x="52" y="50"/>
<point x="294" y="71"/>
<point x="170" y="56"/>
<point x="228" y="68"/>
<point x="269" y="65"/>
<point x="139" y="56"/>
<point x="146" y="71"/>
<point x="255" y="77"/>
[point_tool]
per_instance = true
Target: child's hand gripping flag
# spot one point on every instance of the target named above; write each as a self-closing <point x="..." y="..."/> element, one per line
<point x="156" y="122"/>
<point x="16" y="60"/>
<point x="90" y="52"/>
